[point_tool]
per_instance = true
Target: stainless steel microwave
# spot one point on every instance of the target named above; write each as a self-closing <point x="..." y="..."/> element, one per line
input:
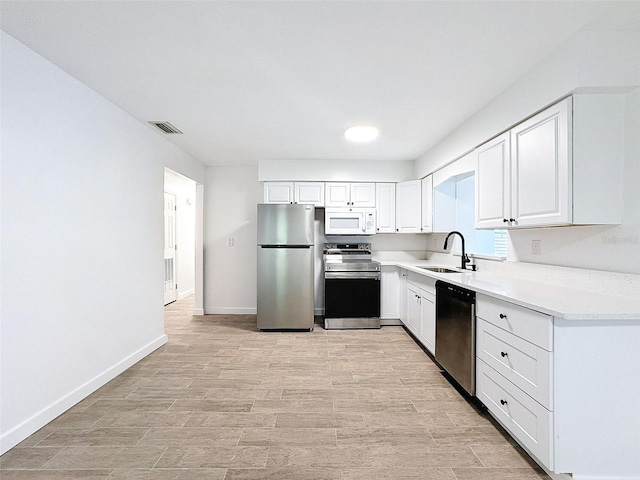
<point x="349" y="221"/>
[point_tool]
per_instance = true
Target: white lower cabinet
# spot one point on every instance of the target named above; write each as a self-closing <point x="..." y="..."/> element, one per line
<point x="514" y="372"/>
<point x="522" y="363"/>
<point x="421" y="309"/>
<point x="403" y="294"/>
<point x="413" y="309"/>
<point x="428" y="321"/>
<point x="560" y="387"/>
<point x="389" y="292"/>
<point x="527" y="420"/>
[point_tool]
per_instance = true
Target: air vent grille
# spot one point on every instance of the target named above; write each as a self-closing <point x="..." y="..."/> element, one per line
<point x="166" y="127"/>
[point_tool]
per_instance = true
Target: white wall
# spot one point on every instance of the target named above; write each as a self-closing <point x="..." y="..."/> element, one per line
<point x="82" y="269"/>
<point x="590" y="62"/>
<point x="185" y="192"/>
<point x="231" y="196"/>
<point x="335" y="170"/>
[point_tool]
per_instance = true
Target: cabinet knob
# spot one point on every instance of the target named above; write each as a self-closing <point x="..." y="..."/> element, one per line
<point x="503" y="354"/>
<point x="511" y="220"/>
<point x="505" y="220"/>
<point x="502" y="315"/>
<point x="503" y="402"/>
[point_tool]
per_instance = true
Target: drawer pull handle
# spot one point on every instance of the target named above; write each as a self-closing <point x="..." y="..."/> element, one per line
<point x="502" y="315"/>
<point x="503" y="354"/>
<point x="503" y="402"/>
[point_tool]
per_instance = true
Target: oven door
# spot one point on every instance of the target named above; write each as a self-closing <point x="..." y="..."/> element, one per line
<point x="352" y="295"/>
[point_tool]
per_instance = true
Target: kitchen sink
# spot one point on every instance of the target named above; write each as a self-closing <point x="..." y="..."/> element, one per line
<point x="440" y="269"/>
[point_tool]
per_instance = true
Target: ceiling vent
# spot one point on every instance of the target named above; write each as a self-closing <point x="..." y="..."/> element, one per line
<point x="166" y="127"/>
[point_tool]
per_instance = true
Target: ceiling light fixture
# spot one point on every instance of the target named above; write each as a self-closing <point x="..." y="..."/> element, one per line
<point x="361" y="133"/>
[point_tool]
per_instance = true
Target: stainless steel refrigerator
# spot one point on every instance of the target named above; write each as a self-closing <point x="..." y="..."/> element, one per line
<point x="285" y="267"/>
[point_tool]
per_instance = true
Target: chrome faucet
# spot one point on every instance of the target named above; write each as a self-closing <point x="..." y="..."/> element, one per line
<point x="465" y="258"/>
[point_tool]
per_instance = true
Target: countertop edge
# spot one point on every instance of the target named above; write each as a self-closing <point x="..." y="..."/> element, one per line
<point x="511" y="290"/>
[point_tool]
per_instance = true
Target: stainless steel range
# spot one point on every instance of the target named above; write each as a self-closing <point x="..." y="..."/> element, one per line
<point x="351" y="286"/>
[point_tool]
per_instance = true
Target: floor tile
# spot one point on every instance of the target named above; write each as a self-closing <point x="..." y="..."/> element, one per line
<point x="218" y="457"/>
<point x="100" y="474"/>
<point x="283" y="474"/>
<point x="321" y="437"/>
<point x="105" y="457"/>
<point x="28" y="457"/>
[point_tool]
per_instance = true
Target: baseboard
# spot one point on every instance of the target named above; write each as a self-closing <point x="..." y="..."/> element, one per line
<point x="391" y="322"/>
<point x="198" y="311"/>
<point x="230" y="311"/>
<point x="17" y="434"/>
<point x="185" y="294"/>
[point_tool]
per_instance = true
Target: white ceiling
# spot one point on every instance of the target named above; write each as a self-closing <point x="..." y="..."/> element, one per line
<point x="247" y="81"/>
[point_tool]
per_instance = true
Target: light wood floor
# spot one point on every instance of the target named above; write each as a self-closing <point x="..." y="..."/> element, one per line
<point x="223" y="401"/>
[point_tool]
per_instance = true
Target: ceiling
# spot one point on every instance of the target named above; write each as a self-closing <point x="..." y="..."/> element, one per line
<point x="247" y="81"/>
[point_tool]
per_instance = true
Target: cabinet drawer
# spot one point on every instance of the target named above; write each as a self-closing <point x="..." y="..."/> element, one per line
<point x="527" y="421"/>
<point x="522" y="363"/>
<point x="535" y="327"/>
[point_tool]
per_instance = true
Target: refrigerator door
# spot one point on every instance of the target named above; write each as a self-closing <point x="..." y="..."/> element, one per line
<point x="285" y="224"/>
<point x="285" y="288"/>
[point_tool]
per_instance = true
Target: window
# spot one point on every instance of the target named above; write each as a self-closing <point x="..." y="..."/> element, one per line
<point x="454" y="209"/>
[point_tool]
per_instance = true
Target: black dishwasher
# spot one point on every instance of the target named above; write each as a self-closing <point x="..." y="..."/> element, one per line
<point x="456" y="333"/>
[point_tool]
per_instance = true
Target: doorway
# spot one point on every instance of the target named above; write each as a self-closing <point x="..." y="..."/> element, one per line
<point x="170" y="247"/>
<point x="180" y="254"/>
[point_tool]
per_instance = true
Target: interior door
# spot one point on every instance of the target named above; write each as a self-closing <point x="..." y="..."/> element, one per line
<point x="170" y="286"/>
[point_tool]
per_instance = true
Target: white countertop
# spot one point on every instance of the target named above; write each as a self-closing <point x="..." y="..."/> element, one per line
<point x="560" y="301"/>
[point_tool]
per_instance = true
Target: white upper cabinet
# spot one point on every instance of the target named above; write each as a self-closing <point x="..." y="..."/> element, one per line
<point x="523" y="176"/>
<point x="350" y="194"/>
<point x="278" y="192"/>
<point x="562" y="166"/>
<point x="541" y="168"/>
<point x="409" y="206"/>
<point x="493" y="186"/>
<point x="386" y="207"/>
<point x="427" y="204"/>
<point x="294" y="192"/>
<point x="309" y="193"/>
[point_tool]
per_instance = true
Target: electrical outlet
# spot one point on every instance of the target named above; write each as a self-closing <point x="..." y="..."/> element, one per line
<point x="535" y="247"/>
<point x="230" y="242"/>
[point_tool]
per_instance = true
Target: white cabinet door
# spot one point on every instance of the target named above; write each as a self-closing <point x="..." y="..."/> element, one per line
<point x="541" y="169"/>
<point x="408" y="206"/>
<point x="386" y="208"/>
<point x="427" y="204"/>
<point x="309" y="193"/>
<point x="363" y="194"/>
<point x="389" y="292"/>
<point x="342" y="194"/>
<point x="428" y="320"/>
<point x="413" y="309"/>
<point x="337" y="194"/>
<point x="278" y="192"/>
<point x="493" y="189"/>
<point x="403" y="295"/>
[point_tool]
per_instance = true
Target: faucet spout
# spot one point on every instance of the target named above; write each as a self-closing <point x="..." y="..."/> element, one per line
<point x="465" y="258"/>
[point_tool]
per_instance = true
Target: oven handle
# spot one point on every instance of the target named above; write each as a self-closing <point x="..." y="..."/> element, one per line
<point x="352" y="275"/>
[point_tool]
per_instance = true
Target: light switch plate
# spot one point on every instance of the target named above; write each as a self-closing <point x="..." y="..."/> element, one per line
<point x="535" y="247"/>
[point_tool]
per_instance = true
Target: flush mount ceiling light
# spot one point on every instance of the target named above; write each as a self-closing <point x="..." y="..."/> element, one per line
<point x="361" y="133"/>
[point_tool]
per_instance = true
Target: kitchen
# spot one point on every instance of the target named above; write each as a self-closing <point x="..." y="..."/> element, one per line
<point x="231" y="193"/>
